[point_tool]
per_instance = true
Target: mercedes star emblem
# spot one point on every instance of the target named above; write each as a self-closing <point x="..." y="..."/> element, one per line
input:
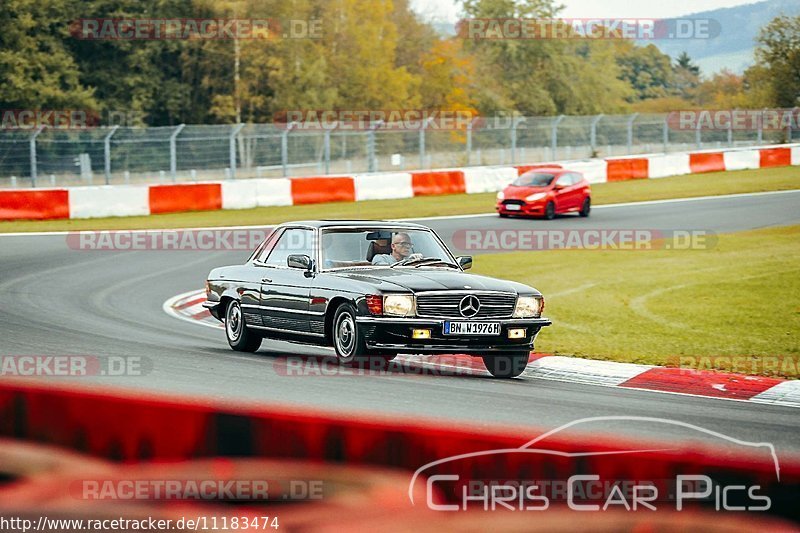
<point x="469" y="306"/>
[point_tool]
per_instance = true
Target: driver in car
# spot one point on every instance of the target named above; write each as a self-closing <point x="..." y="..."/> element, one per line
<point x="401" y="249"/>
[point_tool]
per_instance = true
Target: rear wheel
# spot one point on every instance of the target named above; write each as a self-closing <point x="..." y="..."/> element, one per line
<point x="586" y="207"/>
<point x="240" y="337"/>
<point x="506" y="365"/>
<point x="550" y="211"/>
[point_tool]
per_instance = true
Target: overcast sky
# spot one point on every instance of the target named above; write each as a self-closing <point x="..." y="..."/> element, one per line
<point x="449" y="10"/>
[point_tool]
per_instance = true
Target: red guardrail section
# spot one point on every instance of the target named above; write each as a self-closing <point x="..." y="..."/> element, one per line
<point x="323" y="189"/>
<point x="627" y="169"/>
<point x="179" y="198"/>
<point x="128" y="426"/>
<point x="34" y="205"/>
<point x="775" y="157"/>
<point x="706" y="162"/>
<point x="438" y="182"/>
<point x="522" y="169"/>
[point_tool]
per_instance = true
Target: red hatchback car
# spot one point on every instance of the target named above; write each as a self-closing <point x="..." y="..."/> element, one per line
<point x="546" y="192"/>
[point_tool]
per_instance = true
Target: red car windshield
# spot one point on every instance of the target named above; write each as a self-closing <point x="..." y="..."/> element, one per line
<point x="534" y="179"/>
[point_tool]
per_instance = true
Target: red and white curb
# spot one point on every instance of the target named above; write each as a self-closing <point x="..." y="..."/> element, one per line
<point x="709" y="384"/>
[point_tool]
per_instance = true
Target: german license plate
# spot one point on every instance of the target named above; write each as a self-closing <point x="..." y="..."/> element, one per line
<point x="471" y="328"/>
<point x="513" y="207"/>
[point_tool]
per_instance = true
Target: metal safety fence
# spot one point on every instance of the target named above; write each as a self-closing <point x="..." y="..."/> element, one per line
<point x="47" y="157"/>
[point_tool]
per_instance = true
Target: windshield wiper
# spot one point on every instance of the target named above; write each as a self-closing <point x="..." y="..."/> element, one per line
<point x="410" y="260"/>
<point x="435" y="262"/>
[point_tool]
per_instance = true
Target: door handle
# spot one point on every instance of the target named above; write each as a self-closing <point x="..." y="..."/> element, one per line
<point x="266" y="280"/>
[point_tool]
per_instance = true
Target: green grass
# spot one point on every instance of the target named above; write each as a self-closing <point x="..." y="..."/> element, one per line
<point x="630" y="191"/>
<point x="739" y="298"/>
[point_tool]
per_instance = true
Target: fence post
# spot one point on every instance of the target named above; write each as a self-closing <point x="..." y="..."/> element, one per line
<point x="372" y="158"/>
<point x="326" y="146"/>
<point x="630" y="132"/>
<point x="107" y="152"/>
<point x="173" y="152"/>
<point x="554" y="136"/>
<point x="698" y="136"/>
<point x="514" y="124"/>
<point x="422" y="142"/>
<point x="761" y="128"/>
<point x="730" y="133"/>
<point x="593" y="133"/>
<point x="285" y="148"/>
<point x="232" y="147"/>
<point x="469" y="143"/>
<point x="33" y="154"/>
<point x="666" y="133"/>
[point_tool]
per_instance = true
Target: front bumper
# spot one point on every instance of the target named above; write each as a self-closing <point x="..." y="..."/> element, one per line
<point x="389" y="334"/>
<point x="213" y="308"/>
<point x="526" y="208"/>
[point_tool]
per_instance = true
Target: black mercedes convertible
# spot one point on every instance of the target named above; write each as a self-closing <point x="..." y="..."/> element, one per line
<point x="372" y="290"/>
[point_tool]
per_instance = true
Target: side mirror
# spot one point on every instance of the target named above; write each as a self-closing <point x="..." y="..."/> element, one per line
<point x="559" y="186"/>
<point x="465" y="261"/>
<point x="303" y="262"/>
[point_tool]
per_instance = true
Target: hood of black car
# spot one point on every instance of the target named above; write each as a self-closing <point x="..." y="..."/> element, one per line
<point x="433" y="279"/>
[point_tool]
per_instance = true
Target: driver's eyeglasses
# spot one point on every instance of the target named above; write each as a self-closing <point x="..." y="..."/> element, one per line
<point x="404" y="244"/>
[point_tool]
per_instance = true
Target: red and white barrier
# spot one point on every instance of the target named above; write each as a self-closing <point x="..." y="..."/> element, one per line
<point x="491" y="179"/>
<point x="93" y="202"/>
<point x="109" y="201"/>
<point x="741" y="160"/>
<point x="594" y="170"/>
<point x="665" y="165"/>
<point x="383" y="186"/>
<point x="318" y="190"/>
<point x="34" y="204"/>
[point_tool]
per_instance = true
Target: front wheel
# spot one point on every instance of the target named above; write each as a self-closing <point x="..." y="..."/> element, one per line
<point x="348" y="341"/>
<point x="550" y="211"/>
<point x="506" y="365"/>
<point x="240" y="337"/>
<point x="586" y="207"/>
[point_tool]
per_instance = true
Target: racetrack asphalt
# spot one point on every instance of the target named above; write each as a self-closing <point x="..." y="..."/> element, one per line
<point x="60" y="301"/>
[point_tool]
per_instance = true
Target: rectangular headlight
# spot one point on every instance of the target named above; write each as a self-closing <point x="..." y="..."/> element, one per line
<point x="398" y="305"/>
<point x="529" y="307"/>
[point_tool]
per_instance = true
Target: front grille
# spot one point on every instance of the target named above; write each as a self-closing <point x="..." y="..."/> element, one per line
<point x="445" y="305"/>
<point x="513" y="202"/>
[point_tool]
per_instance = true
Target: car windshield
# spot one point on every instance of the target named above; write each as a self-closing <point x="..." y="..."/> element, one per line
<point x="534" y="179"/>
<point x="380" y="247"/>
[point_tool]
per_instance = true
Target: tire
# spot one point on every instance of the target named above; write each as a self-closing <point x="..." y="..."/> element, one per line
<point x="240" y="337"/>
<point x="506" y="366"/>
<point x="550" y="211"/>
<point x="503" y="215"/>
<point x="348" y="341"/>
<point x="586" y="207"/>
